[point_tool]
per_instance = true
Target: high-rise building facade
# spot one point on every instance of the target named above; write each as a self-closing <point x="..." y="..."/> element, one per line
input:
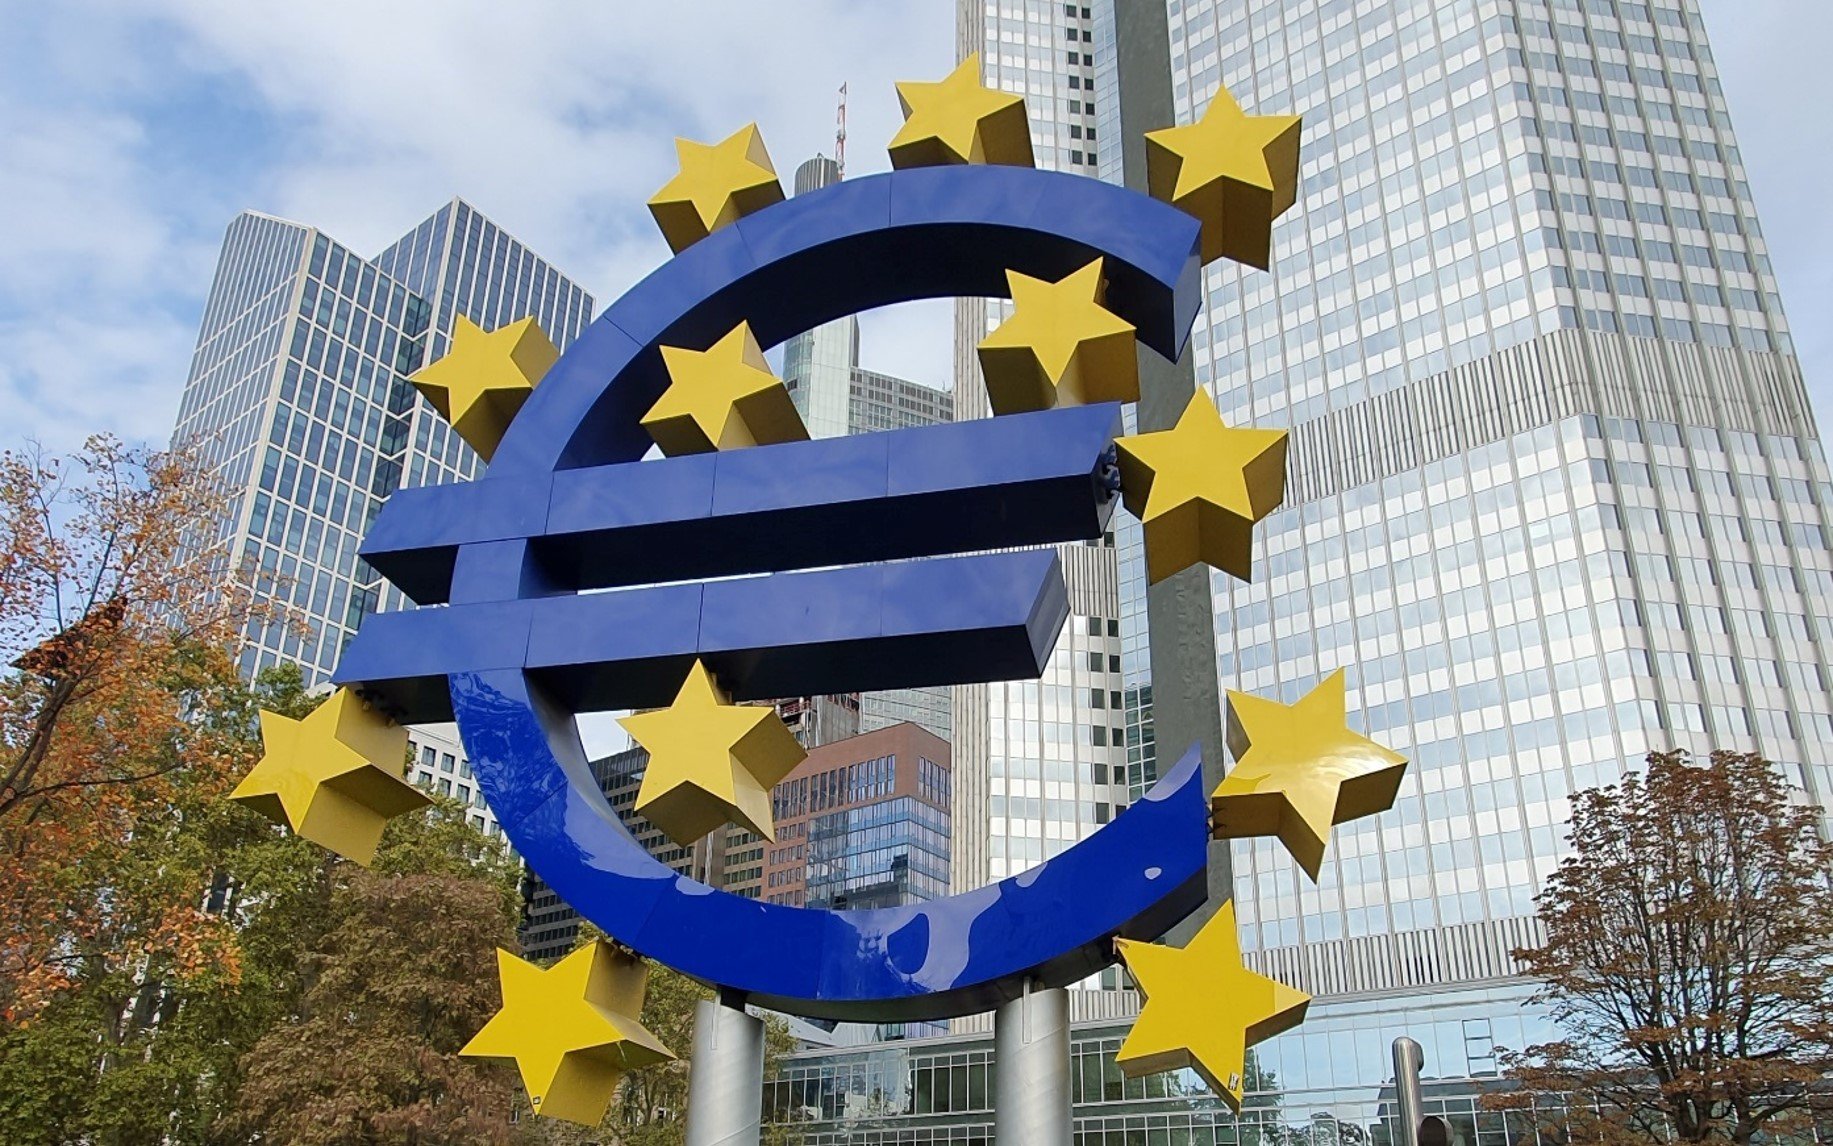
<point x="299" y="402"/>
<point x="863" y="823"/>
<point x="1556" y="496"/>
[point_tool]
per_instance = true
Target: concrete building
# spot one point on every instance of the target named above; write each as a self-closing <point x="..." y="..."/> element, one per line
<point x="1556" y="499"/>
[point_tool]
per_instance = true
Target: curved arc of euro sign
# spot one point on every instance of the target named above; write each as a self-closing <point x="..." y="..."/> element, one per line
<point x="519" y="650"/>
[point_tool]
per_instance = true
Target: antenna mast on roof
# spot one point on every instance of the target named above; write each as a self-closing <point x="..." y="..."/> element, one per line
<point x="840" y="136"/>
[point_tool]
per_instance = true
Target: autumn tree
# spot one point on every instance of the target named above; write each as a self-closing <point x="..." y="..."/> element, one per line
<point x="115" y="625"/>
<point x="1688" y="960"/>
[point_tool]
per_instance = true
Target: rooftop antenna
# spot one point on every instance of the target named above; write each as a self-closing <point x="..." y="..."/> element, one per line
<point x="840" y="136"/>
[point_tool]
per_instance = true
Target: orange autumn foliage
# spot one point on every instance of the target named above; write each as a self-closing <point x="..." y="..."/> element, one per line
<point x="116" y="622"/>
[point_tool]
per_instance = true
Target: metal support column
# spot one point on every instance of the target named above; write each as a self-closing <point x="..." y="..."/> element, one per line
<point x="1031" y="1070"/>
<point x="1416" y="1129"/>
<point x="725" y="1077"/>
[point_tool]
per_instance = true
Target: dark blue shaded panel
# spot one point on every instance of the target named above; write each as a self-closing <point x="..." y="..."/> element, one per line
<point x="401" y="659"/>
<point x="1026" y="479"/>
<point x="951" y="620"/>
<point x="971" y="952"/>
<point x="414" y="541"/>
<point x="933" y="232"/>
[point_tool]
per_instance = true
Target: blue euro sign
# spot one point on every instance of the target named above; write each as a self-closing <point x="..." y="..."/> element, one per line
<point x="796" y="569"/>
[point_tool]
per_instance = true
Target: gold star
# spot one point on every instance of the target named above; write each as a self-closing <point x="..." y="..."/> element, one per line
<point x="1299" y="769"/>
<point x="334" y="777"/>
<point x="481" y="383"/>
<point x="1235" y="172"/>
<point x="1199" y="488"/>
<point x="723" y="398"/>
<point x="1203" y="1009"/>
<point x="958" y="120"/>
<point x="711" y="761"/>
<point x="572" y="1029"/>
<point x="1060" y="347"/>
<point x="719" y="183"/>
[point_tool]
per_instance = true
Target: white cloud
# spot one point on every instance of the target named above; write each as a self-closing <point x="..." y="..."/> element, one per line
<point x="557" y="120"/>
<point x="132" y="130"/>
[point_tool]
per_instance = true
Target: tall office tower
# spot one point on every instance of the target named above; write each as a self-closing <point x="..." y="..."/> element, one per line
<point x="1556" y="496"/>
<point x="299" y="401"/>
<point x="836" y="397"/>
<point x="1040" y="764"/>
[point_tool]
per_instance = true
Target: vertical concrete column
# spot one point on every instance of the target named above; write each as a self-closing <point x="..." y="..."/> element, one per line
<point x="1031" y="1070"/>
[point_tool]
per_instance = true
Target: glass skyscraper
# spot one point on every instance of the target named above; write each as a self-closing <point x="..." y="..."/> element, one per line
<point x="298" y="401"/>
<point x="1556" y="499"/>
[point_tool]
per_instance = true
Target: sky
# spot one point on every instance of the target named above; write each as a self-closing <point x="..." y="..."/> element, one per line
<point x="132" y="131"/>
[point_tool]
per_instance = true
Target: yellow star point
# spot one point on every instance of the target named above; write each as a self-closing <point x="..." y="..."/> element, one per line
<point x="1203" y="1009"/>
<point x="572" y="1029"/>
<point x="711" y="761"/>
<point x="722" y="398"/>
<point x="1299" y="769"/>
<point x="960" y="120"/>
<point x="1199" y="488"/>
<point x="1060" y="347"/>
<point x="1235" y="172"/>
<point x="480" y="385"/>
<point x="333" y="777"/>
<point x="718" y="184"/>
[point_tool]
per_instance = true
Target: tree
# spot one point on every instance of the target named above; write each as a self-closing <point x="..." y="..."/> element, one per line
<point x="400" y="979"/>
<point x="115" y="623"/>
<point x="1688" y="958"/>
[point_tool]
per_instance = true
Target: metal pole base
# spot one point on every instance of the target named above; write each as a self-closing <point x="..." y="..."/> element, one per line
<point x="725" y="1076"/>
<point x="1031" y="1070"/>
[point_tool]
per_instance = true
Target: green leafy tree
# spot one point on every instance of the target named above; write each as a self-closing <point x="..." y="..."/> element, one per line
<point x="1688" y="959"/>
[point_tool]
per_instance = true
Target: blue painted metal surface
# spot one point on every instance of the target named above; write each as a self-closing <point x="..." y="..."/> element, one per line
<point x="1031" y="479"/>
<point x="520" y="650"/>
<point x="944" y="620"/>
<point x="970" y="952"/>
<point x="931" y="232"/>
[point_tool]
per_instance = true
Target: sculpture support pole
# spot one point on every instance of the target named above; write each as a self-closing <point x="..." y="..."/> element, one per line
<point x="725" y="1077"/>
<point x="1031" y="1070"/>
<point x="1408" y="1060"/>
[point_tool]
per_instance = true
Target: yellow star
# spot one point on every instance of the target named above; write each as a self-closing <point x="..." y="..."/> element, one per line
<point x="1199" y="488"/>
<point x="711" y="761"/>
<point x="723" y="398"/>
<point x="1203" y="1009"/>
<point x="719" y="183"/>
<point x="1235" y="172"/>
<point x="572" y="1029"/>
<point x="960" y="121"/>
<point x="481" y="383"/>
<point x="334" y="777"/>
<point x="1299" y="769"/>
<point x="1060" y="347"/>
